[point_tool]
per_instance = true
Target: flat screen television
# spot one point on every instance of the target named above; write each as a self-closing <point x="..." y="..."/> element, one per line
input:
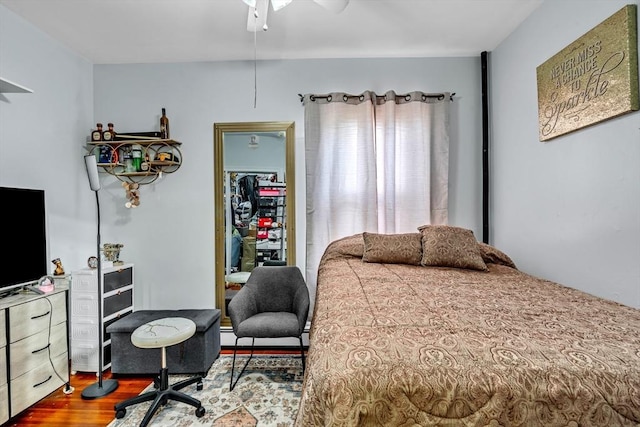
<point x="24" y="240"/>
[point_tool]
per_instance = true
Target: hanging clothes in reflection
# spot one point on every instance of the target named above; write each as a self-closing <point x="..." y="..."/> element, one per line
<point x="247" y="186"/>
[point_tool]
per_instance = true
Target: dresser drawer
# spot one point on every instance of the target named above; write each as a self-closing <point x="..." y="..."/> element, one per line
<point x="118" y="302"/>
<point x="84" y="281"/>
<point x="84" y="304"/>
<point x="84" y="329"/>
<point x="38" y="383"/>
<point x="3" y="367"/>
<point x="33" y="351"/>
<point x="3" y="330"/>
<point x="117" y="279"/>
<point x="84" y="356"/>
<point x="4" y="403"/>
<point x="35" y="316"/>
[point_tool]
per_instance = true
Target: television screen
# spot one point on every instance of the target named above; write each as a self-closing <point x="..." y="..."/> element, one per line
<point x="24" y="240"/>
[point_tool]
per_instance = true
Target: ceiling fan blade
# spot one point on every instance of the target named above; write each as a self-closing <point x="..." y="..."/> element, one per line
<point x="335" y="6"/>
<point x="257" y="19"/>
<point x="279" y="4"/>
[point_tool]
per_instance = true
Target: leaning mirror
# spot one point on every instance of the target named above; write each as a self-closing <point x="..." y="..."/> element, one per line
<point x="254" y="202"/>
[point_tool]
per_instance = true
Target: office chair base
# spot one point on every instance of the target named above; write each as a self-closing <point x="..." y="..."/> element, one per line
<point x="162" y="395"/>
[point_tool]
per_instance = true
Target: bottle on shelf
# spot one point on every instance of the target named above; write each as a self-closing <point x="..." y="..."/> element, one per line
<point x="106" y="154"/>
<point x="144" y="166"/>
<point x="109" y="134"/>
<point x="127" y="159"/>
<point x="164" y="125"/>
<point x="96" y="135"/>
<point x="136" y="155"/>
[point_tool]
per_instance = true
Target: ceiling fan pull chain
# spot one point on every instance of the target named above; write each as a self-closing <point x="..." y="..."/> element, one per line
<point x="255" y="64"/>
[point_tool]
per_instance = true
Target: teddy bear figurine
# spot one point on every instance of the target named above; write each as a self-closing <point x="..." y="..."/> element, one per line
<point x="59" y="271"/>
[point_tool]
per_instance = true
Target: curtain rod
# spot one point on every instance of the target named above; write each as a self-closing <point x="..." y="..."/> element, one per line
<point x="313" y="97"/>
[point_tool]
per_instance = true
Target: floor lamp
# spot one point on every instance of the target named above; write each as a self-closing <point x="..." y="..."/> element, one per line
<point x="100" y="388"/>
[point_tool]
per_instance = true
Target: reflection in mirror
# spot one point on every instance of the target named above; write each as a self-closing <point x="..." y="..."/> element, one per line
<point x="254" y="206"/>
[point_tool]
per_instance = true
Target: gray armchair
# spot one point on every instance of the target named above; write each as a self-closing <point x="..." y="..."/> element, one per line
<point x="274" y="303"/>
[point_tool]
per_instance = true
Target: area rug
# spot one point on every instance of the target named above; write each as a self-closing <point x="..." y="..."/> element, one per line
<point x="267" y="394"/>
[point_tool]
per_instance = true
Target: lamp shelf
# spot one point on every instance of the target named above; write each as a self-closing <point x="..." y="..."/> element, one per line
<point x="153" y="154"/>
<point x="142" y="142"/>
<point x="7" y="86"/>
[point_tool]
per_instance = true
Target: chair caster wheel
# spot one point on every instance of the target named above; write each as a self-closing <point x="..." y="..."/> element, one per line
<point x="121" y="413"/>
<point x="199" y="386"/>
<point x="200" y="412"/>
<point x="156" y="382"/>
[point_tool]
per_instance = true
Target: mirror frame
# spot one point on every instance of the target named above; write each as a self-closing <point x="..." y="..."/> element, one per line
<point x="219" y="130"/>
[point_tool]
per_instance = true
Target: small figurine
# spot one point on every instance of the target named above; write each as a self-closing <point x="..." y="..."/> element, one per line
<point x="112" y="252"/>
<point x="59" y="271"/>
<point x="133" y="194"/>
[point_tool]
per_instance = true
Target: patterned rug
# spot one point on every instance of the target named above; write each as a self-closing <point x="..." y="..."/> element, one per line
<point x="267" y="394"/>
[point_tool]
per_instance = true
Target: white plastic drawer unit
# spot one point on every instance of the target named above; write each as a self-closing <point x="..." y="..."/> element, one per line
<point x="87" y="304"/>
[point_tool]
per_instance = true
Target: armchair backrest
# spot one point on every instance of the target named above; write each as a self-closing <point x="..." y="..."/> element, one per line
<point x="278" y="288"/>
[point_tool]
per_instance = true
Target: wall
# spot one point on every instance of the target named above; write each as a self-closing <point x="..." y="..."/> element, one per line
<point x="569" y="209"/>
<point x="170" y="236"/>
<point x="41" y="135"/>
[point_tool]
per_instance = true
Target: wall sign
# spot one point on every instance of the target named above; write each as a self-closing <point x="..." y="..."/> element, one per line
<point x="593" y="79"/>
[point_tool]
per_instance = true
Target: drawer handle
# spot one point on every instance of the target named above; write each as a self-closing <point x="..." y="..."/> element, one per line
<point x="39" y="384"/>
<point x="41" y="315"/>
<point x="43" y="348"/>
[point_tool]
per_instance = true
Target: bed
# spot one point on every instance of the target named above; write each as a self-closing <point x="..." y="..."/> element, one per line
<point x="411" y="329"/>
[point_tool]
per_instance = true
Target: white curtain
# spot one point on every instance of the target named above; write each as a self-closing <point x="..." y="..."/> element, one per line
<point x="376" y="163"/>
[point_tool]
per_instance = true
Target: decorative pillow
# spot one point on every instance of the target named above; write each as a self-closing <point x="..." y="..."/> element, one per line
<point x="493" y="255"/>
<point x="350" y="246"/>
<point x="393" y="248"/>
<point x="447" y="246"/>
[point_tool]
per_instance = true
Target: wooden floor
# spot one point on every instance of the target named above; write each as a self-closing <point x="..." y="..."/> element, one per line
<point x="71" y="410"/>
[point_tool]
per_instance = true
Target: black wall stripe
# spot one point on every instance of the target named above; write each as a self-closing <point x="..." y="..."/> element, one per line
<point x="485" y="148"/>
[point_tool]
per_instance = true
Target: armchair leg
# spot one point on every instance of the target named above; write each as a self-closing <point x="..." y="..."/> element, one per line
<point x="302" y="353"/>
<point x="235" y="348"/>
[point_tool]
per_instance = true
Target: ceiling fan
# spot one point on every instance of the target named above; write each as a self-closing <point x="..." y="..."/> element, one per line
<point x="258" y="10"/>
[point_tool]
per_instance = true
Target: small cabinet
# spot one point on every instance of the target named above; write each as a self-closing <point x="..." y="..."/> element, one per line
<point x="34" y="359"/>
<point x="4" y="392"/>
<point x="153" y="158"/>
<point x="115" y="302"/>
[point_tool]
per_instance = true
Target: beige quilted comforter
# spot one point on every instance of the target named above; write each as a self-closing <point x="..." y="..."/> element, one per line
<point x="405" y="345"/>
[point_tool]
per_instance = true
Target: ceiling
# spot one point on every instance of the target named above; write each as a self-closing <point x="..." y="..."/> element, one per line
<point x="151" y="31"/>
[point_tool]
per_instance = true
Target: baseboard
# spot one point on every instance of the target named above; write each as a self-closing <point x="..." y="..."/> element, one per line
<point x="266" y="349"/>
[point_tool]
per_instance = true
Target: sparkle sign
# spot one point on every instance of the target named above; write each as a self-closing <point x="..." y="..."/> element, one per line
<point x="593" y="79"/>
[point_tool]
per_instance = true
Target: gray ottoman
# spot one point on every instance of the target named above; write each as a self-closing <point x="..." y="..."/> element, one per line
<point x="193" y="356"/>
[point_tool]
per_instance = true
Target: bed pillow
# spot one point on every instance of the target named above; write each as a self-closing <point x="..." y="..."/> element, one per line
<point x="393" y="248"/>
<point x="447" y="246"/>
<point x="494" y="255"/>
<point x="349" y="246"/>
